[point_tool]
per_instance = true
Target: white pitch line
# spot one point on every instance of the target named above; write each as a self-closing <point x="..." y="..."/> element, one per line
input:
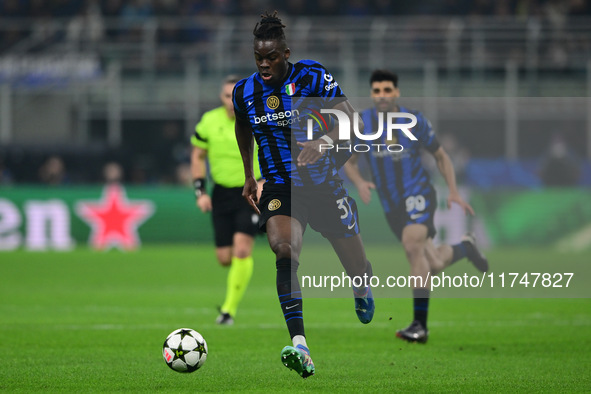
<point x="244" y="326"/>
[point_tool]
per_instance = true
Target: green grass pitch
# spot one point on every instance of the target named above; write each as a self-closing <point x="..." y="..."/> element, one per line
<point x="96" y="321"/>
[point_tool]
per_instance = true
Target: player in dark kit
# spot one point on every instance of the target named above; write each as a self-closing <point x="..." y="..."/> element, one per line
<point x="407" y="196"/>
<point x="302" y="185"/>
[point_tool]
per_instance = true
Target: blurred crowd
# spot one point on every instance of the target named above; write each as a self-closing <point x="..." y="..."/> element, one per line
<point x="86" y="24"/>
<point x="160" y="154"/>
<point x="164" y="158"/>
<point x="147" y="8"/>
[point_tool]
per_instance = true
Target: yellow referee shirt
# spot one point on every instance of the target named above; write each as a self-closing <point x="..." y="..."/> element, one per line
<point x="215" y="133"/>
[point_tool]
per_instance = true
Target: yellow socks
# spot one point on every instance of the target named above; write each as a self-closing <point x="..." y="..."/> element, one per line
<point x="238" y="278"/>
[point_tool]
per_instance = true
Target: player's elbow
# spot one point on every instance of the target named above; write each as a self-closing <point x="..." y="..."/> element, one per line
<point x="441" y="158"/>
<point x="197" y="154"/>
<point x="350" y="170"/>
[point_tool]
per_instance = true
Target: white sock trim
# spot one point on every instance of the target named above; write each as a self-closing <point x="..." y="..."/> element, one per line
<point x="299" y="340"/>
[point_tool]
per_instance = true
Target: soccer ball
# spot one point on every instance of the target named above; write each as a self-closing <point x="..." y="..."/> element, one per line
<point x="185" y="350"/>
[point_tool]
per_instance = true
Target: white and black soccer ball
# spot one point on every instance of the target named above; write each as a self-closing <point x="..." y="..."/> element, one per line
<point x="185" y="350"/>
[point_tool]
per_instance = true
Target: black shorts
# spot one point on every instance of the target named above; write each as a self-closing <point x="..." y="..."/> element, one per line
<point x="327" y="208"/>
<point x="417" y="209"/>
<point x="231" y="214"/>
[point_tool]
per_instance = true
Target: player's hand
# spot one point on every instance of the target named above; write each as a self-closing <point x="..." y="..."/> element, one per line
<point x="251" y="194"/>
<point x="364" y="189"/>
<point x="455" y="197"/>
<point x="310" y="152"/>
<point x="260" y="189"/>
<point x="204" y="203"/>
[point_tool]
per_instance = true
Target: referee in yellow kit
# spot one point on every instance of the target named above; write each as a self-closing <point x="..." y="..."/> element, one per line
<point x="234" y="221"/>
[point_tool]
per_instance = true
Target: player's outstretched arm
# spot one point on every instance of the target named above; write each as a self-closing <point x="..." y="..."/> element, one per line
<point x="363" y="187"/>
<point x="446" y="168"/>
<point x="245" y="141"/>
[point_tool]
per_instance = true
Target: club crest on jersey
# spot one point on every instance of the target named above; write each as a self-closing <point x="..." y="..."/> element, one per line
<point x="272" y="102"/>
<point x="290" y="89"/>
<point x="274" y="205"/>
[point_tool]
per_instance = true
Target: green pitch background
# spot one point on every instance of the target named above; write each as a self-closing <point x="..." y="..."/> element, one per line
<point x="96" y="321"/>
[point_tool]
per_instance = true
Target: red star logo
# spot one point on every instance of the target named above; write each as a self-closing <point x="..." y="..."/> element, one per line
<point x="114" y="219"/>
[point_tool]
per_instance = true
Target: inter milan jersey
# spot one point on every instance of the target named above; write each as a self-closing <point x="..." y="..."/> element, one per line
<point x="278" y="122"/>
<point x="399" y="175"/>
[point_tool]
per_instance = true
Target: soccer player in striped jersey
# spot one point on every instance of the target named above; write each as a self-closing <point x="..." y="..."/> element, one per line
<point x="302" y="184"/>
<point x="235" y="223"/>
<point x="407" y="196"/>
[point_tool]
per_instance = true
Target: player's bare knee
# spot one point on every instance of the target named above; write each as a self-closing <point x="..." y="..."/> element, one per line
<point x="242" y="253"/>
<point x="242" y="245"/>
<point x="224" y="256"/>
<point x="413" y="246"/>
<point x="224" y="262"/>
<point x="282" y="250"/>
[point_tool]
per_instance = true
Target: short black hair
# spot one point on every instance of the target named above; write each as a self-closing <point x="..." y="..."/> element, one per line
<point x="383" y="75"/>
<point x="269" y="28"/>
<point x="232" y="78"/>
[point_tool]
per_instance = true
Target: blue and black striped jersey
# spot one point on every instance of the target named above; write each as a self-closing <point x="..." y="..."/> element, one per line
<point x="274" y="115"/>
<point x="399" y="175"/>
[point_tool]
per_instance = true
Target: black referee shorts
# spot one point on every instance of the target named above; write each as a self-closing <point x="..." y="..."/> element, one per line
<point x="231" y="214"/>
